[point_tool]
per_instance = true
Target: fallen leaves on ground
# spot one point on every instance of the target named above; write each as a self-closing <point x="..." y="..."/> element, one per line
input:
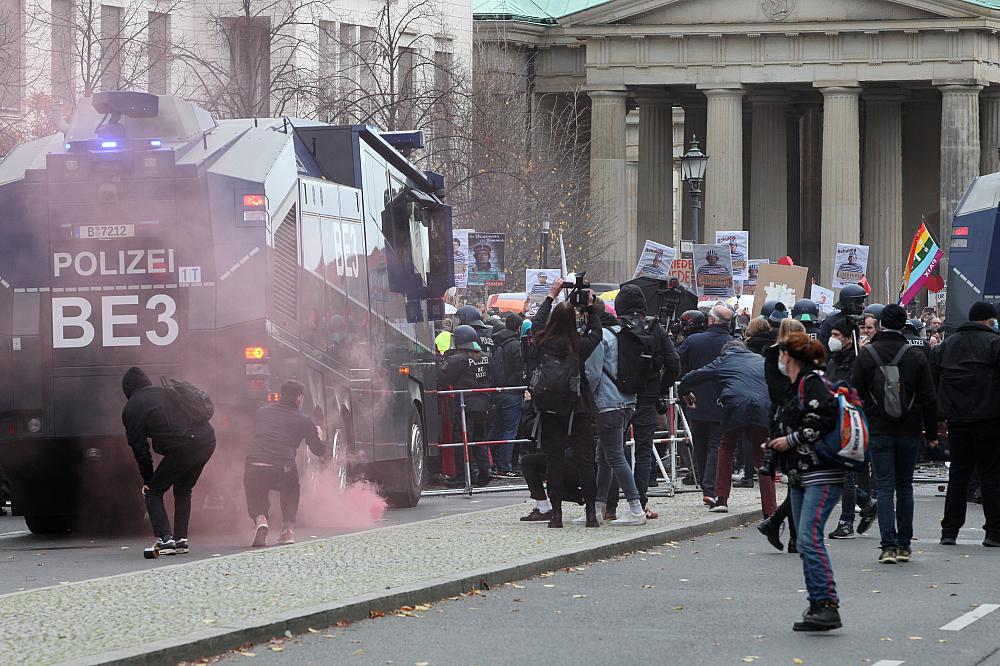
<point x="798" y="661"/>
<point x="343" y="623"/>
<point x="372" y="614"/>
<point x="677" y="608"/>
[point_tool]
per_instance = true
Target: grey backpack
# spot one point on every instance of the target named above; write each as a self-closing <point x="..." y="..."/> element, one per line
<point x="890" y="393"/>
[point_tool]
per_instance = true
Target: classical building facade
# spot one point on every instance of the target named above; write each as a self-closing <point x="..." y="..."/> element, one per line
<point x="826" y="120"/>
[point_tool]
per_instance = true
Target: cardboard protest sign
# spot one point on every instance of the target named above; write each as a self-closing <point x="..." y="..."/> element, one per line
<point x="739" y="250"/>
<point x="777" y="282"/>
<point x="486" y="265"/>
<point x="849" y="265"/>
<point x="655" y="260"/>
<point x="753" y="268"/>
<point x="713" y="270"/>
<point x="538" y="282"/>
<point x="683" y="270"/>
<point x="824" y="298"/>
<point x="460" y="256"/>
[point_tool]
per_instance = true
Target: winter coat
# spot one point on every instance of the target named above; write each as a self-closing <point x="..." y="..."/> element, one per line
<point x="966" y="369"/>
<point x="602" y="366"/>
<point x="279" y="429"/>
<point x="758" y="343"/>
<point x="145" y="417"/>
<point x="738" y="377"/>
<point x="589" y="340"/>
<point x="696" y="352"/>
<point x="805" y="424"/>
<point x="631" y="302"/>
<point x="467" y="369"/>
<point x="915" y="340"/>
<point x="840" y="366"/>
<point x="915" y="373"/>
<point x="777" y="384"/>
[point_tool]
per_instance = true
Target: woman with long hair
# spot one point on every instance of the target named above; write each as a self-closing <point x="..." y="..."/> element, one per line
<point x="566" y="420"/>
<point x="808" y="414"/>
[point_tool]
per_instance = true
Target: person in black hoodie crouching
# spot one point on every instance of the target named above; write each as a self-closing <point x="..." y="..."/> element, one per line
<point x="185" y="453"/>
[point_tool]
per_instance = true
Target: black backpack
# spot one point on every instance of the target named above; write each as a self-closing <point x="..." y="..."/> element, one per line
<point x="637" y="357"/>
<point x="555" y="383"/>
<point x="508" y="363"/>
<point x="889" y="392"/>
<point x="186" y="404"/>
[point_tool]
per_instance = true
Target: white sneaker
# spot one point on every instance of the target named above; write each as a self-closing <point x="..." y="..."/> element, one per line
<point x="582" y="520"/>
<point x="631" y="519"/>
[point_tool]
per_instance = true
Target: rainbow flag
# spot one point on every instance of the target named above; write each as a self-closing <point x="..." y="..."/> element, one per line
<point x="924" y="256"/>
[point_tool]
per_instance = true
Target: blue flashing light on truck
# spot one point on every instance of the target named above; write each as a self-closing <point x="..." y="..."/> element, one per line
<point x="230" y="253"/>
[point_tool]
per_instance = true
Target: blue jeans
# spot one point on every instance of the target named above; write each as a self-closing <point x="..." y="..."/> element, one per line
<point x="611" y="454"/>
<point x="893" y="460"/>
<point x="510" y="418"/>
<point x="811" y="506"/>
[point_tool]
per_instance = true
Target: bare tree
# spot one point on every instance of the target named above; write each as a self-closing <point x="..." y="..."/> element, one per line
<point x="261" y="62"/>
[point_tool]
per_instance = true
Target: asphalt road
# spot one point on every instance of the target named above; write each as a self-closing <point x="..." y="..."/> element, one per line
<point x="725" y="598"/>
<point x="29" y="561"/>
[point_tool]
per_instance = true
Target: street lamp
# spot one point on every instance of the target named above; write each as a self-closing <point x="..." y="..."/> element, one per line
<point x="543" y="250"/>
<point x="693" y="165"/>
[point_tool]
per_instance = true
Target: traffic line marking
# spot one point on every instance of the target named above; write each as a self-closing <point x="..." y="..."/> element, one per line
<point x="888" y="662"/>
<point x="963" y="621"/>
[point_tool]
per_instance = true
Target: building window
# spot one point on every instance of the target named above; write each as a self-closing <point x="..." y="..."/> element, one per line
<point x="406" y="87"/>
<point x="250" y="62"/>
<point x="63" y="74"/>
<point x="111" y="47"/>
<point x="11" y="55"/>
<point x="158" y="53"/>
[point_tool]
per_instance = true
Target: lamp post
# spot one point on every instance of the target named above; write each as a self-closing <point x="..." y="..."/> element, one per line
<point x="693" y="165"/>
<point x="543" y="249"/>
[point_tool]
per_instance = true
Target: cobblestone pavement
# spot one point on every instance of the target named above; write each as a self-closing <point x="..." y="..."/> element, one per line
<point x="87" y="618"/>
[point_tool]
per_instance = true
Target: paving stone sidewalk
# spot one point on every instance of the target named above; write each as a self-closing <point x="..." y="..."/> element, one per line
<point x="79" y="621"/>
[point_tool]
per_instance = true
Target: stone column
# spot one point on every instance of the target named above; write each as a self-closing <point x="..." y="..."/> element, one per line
<point x="608" y="197"/>
<point x="808" y="250"/>
<point x="959" y="152"/>
<point x="655" y="204"/>
<point x="694" y="127"/>
<point x="882" y="211"/>
<point x="769" y="177"/>
<point x="544" y="107"/>
<point x="989" y="130"/>
<point x="724" y="177"/>
<point x="841" y="216"/>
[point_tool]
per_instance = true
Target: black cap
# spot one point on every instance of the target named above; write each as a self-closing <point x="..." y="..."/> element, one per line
<point x="893" y="317"/>
<point x="981" y="311"/>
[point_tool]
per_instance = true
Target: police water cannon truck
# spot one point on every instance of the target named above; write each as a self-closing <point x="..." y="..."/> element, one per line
<point x="233" y="254"/>
<point x="973" y="272"/>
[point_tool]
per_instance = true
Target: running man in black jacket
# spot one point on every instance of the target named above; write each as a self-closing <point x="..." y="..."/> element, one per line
<point x="184" y="456"/>
<point x="279" y="428"/>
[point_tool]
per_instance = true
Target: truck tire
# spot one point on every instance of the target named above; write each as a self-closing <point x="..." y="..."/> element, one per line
<point x="49" y="524"/>
<point x="415" y="472"/>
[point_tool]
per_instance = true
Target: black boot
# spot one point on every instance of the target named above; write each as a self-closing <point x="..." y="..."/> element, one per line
<point x="822" y="616"/>
<point x="592" y="515"/>
<point x="791" y="546"/>
<point x="556" y="519"/>
<point x="771" y="528"/>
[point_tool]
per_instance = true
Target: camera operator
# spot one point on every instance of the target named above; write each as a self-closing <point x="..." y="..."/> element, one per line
<point x="807" y="414"/>
<point x="562" y="396"/>
<point x="851" y="302"/>
<point x="704" y="413"/>
<point x="689" y="323"/>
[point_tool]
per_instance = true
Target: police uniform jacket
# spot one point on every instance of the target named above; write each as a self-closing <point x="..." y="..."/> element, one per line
<point x="467" y="369"/>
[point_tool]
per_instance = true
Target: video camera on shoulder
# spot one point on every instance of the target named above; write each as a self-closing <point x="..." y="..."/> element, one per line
<point x="579" y="296"/>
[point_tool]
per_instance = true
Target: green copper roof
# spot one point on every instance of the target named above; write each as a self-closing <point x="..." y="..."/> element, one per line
<point x="548" y="12"/>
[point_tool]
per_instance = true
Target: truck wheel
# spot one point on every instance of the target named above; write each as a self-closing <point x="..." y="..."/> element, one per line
<point x="415" y="468"/>
<point x="49" y="524"/>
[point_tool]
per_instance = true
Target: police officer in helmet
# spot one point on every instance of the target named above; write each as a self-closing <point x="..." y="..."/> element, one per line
<point x="469" y="315"/>
<point x="469" y="368"/>
<point x="851" y="303"/>
<point x="913" y="331"/>
<point x="807" y="312"/>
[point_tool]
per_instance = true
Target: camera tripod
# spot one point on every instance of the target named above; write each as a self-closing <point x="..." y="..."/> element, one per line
<point x="678" y="432"/>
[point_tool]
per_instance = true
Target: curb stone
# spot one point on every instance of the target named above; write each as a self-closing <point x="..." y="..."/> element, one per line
<point x="262" y="628"/>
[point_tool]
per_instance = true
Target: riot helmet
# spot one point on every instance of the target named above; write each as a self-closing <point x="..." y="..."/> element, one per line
<point x="777" y="315"/>
<point x="875" y="310"/>
<point x="466" y="337"/>
<point x="768" y="308"/>
<point x="852" y="299"/>
<point x="469" y="315"/>
<point x="693" y="321"/>
<point x="805" y="310"/>
<point x="915" y="326"/>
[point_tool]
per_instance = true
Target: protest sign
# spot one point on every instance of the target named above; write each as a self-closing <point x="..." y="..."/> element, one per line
<point x="849" y="265"/>
<point x="777" y="282"/>
<point x="753" y="268"/>
<point x="682" y="269"/>
<point x="486" y="265"/>
<point x="655" y="261"/>
<point x="460" y="256"/>
<point x="824" y="298"/>
<point x="739" y="249"/>
<point x="713" y="269"/>
<point x="538" y="282"/>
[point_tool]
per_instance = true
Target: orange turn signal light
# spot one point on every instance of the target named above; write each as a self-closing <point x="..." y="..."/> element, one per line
<point x="254" y="201"/>
<point x="404" y="370"/>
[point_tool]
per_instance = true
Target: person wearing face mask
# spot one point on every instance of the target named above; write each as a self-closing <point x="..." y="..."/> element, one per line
<point x="966" y="367"/>
<point x="857" y="485"/>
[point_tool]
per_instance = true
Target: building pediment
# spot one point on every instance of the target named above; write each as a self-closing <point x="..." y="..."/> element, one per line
<point x="757" y="12"/>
